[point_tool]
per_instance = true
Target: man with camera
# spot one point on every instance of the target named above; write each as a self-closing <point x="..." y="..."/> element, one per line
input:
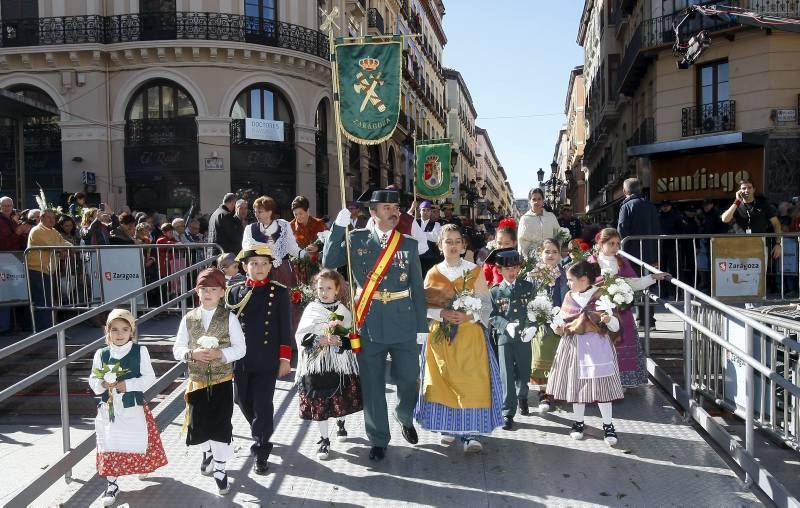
<point x="753" y="214"/>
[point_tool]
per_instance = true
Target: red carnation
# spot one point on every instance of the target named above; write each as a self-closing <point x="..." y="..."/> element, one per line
<point x="585" y="246"/>
<point x="507" y="223"/>
<point x="297" y="297"/>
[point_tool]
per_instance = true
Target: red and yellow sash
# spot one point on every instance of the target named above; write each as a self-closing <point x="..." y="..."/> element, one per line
<point x="376" y="276"/>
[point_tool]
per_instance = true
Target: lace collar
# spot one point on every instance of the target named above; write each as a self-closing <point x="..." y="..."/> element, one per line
<point x="454" y="272"/>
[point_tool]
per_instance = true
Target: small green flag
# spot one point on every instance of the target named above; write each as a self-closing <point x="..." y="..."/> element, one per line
<point x="432" y="172"/>
<point x="369" y="76"/>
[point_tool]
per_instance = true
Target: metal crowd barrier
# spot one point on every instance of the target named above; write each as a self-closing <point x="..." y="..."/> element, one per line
<point x="707" y="346"/>
<point x="71" y="456"/>
<point x="13" y="279"/>
<point x="688" y="257"/>
<point x="80" y="278"/>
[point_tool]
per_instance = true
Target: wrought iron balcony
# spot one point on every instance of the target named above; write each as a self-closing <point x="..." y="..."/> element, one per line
<point x="644" y="135"/>
<point x="149" y="27"/>
<point x="172" y="131"/>
<point x="708" y="118"/>
<point x="375" y="21"/>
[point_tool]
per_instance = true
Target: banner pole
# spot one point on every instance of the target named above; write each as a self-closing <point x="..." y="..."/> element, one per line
<point x="416" y="208"/>
<point x="340" y="155"/>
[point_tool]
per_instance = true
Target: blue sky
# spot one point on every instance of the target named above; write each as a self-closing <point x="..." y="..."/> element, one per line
<point x="515" y="56"/>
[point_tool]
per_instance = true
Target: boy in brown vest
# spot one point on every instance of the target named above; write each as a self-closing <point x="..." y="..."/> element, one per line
<point x="209" y="340"/>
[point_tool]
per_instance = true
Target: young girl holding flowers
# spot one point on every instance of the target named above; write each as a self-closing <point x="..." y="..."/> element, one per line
<point x="549" y="279"/>
<point x="209" y="340"/>
<point x="585" y="367"/>
<point x="327" y="371"/>
<point x="630" y="351"/>
<point x="127" y="437"/>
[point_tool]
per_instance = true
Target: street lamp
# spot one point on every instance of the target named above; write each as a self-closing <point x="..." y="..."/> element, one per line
<point x="540" y="174"/>
<point x="553" y="168"/>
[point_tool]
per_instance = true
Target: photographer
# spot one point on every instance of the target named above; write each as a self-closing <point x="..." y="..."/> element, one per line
<point x="753" y="215"/>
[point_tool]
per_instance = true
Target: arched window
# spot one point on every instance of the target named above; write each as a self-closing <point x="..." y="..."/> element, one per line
<point x="321" y="157"/>
<point x="262" y="102"/>
<point x="161" y="156"/>
<point x="41" y="140"/>
<point x="264" y="163"/>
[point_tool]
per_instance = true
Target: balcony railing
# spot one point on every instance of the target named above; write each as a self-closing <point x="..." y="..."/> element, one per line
<point x="375" y="20"/>
<point x="708" y="118"/>
<point x="172" y="131"/>
<point x="147" y="27"/>
<point x="644" y="135"/>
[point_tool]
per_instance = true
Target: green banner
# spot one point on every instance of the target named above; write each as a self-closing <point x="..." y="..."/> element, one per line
<point x="432" y="172"/>
<point x="369" y="76"/>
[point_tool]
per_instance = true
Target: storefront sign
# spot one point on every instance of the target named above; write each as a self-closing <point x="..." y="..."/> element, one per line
<point x="708" y="175"/>
<point x="265" y="130"/>
<point x="785" y="116"/>
<point x="13" y="279"/>
<point x="214" y="163"/>
<point x="738" y="268"/>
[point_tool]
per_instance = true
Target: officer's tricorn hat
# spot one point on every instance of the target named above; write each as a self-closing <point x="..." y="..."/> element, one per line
<point x="380" y="196"/>
<point x="504" y="257"/>
<point x="254" y="250"/>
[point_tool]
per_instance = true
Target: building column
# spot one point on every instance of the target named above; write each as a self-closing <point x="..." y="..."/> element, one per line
<point x="305" y="148"/>
<point x="214" y="142"/>
<point x="89" y="144"/>
<point x="334" y="183"/>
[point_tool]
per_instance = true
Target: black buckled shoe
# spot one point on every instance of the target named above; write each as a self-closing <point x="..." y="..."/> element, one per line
<point x="410" y="434"/>
<point x="576" y="432"/>
<point x="508" y="422"/>
<point x="609" y="434"/>
<point x="377" y="453"/>
<point x="523" y="407"/>
<point x="223" y="487"/>
<point x="324" y="450"/>
<point x="341" y="434"/>
<point x="262" y="465"/>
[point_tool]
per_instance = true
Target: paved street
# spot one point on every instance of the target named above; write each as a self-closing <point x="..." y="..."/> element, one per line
<point x="660" y="461"/>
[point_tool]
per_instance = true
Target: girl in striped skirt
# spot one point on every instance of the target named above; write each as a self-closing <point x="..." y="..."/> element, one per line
<point x="585" y="367"/>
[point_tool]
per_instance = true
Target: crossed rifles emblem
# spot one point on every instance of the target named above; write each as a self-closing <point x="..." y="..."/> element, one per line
<point x="368" y="84"/>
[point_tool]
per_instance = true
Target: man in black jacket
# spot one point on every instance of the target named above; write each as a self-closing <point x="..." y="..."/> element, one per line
<point x="224" y="228"/>
<point x="638" y="217"/>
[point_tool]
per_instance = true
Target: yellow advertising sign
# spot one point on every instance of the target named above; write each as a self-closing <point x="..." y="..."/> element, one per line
<point x="738" y="268"/>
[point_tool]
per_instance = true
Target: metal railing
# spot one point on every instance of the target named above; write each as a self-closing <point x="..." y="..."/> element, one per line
<point x="211" y="26"/>
<point x="645" y="134"/>
<point x="70" y="457"/>
<point x="79" y="278"/>
<point x="708" y="118"/>
<point x="688" y="257"/>
<point x="702" y="346"/>
<point x="375" y="20"/>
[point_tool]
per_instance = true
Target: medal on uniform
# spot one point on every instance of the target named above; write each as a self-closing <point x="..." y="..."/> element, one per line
<point x="403" y="277"/>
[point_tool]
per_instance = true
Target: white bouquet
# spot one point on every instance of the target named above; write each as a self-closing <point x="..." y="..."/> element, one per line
<point x="617" y="291"/>
<point x="468" y="304"/>
<point x="208" y="342"/>
<point x="110" y="373"/>
<point x="541" y="310"/>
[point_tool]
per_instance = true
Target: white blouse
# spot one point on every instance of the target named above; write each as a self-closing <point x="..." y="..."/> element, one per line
<point x="235" y="351"/>
<point x="452" y="273"/>
<point x="136" y="384"/>
<point x="286" y="244"/>
<point x="610" y="264"/>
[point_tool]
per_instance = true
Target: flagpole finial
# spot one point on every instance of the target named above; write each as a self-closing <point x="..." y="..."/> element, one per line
<point x="329" y="22"/>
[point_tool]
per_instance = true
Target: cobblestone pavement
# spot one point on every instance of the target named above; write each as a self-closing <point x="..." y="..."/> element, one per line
<point x="660" y="461"/>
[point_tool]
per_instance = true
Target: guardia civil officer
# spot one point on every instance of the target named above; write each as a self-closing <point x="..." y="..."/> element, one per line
<point x="262" y="307"/>
<point x="391" y="311"/>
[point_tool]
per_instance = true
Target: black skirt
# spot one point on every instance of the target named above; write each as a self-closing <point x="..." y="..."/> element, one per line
<point x="210" y="412"/>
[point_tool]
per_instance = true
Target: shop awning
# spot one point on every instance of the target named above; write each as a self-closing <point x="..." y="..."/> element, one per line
<point x="16" y="106"/>
<point x="698" y="143"/>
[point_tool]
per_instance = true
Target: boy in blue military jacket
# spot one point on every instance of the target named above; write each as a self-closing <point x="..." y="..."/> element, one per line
<point x="509" y="315"/>
<point x="262" y="306"/>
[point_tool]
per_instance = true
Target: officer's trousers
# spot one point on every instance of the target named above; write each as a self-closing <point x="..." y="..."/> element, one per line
<point x="404" y="373"/>
<point x="254" y="393"/>
<point x="515" y="370"/>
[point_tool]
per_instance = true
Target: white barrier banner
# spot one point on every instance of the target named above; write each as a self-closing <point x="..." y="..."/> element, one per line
<point x="122" y="272"/>
<point x="13" y="279"/>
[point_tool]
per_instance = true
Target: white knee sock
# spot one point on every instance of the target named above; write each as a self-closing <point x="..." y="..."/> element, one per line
<point x="605" y="411"/>
<point x="323" y="428"/>
<point x="221" y="451"/>
<point x="578" y="410"/>
<point x="206" y="447"/>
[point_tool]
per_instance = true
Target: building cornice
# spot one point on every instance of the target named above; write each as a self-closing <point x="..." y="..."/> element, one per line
<point x="455" y="75"/>
<point x="574" y="73"/>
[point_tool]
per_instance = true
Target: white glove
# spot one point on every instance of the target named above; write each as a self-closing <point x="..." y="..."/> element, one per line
<point x="528" y="333"/>
<point x="511" y="329"/>
<point x="343" y="218"/>
<point x="421" y="338"/>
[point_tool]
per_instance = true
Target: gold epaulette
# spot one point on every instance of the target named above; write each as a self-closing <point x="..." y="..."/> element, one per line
<point x="238" y="307"/>
<point x="278" y="284"/>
